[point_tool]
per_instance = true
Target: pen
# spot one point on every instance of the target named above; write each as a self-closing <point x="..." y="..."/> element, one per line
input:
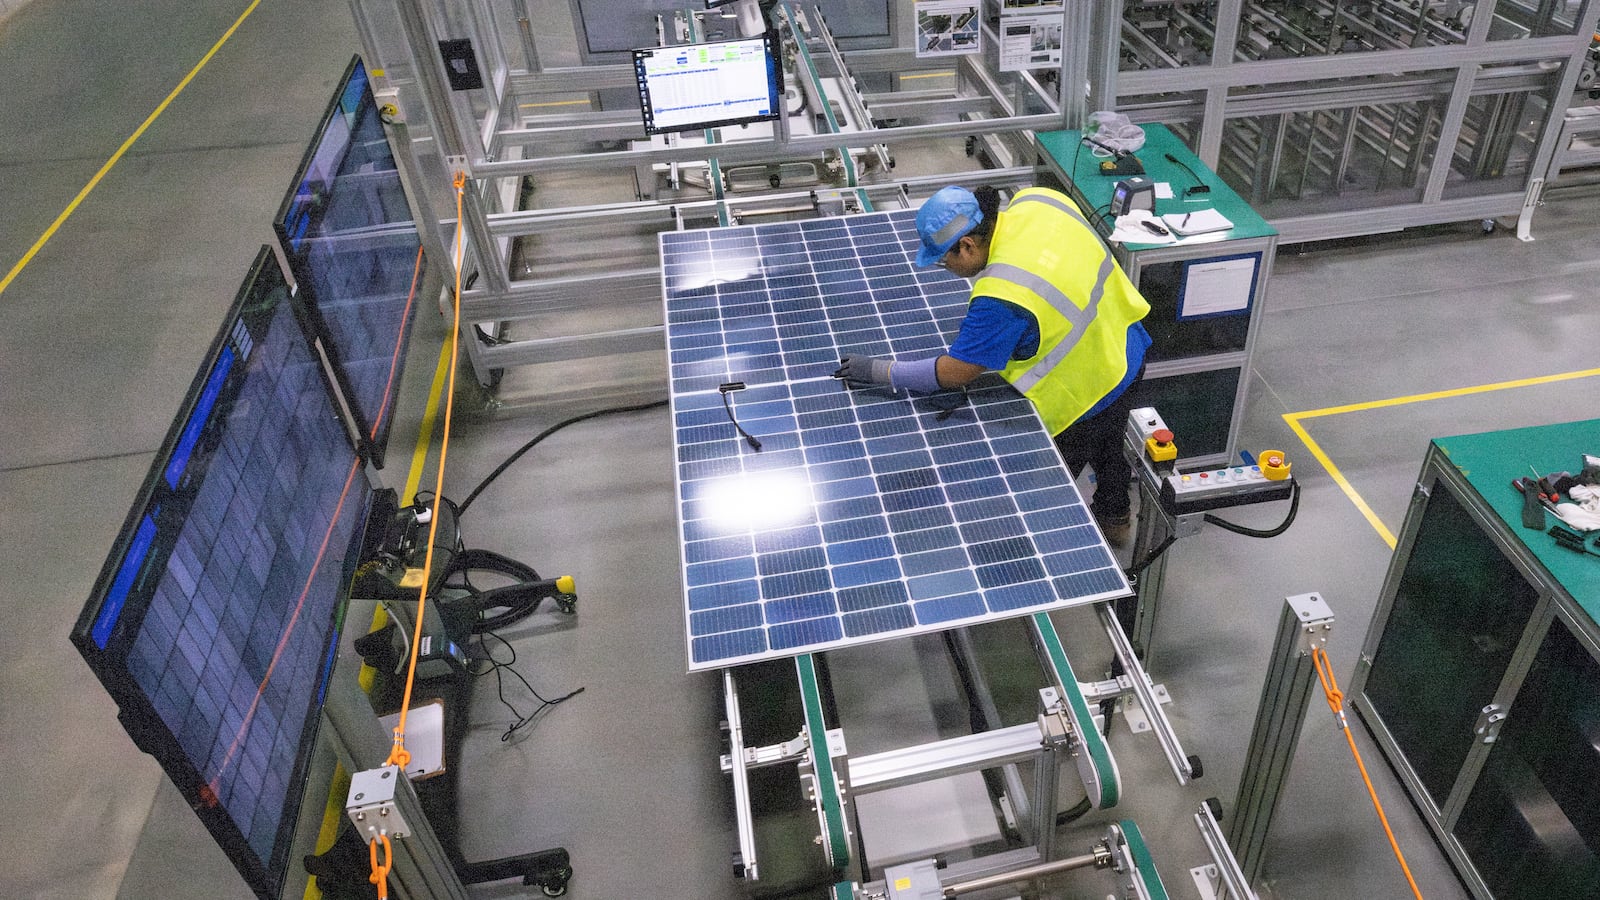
<point x="1185" y="220"/>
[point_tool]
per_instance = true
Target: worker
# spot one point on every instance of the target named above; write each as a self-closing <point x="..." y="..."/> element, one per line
<point x="1051" y="311"/>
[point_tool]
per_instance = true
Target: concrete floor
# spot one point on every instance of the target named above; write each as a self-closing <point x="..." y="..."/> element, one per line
<point x="102" y="323"/>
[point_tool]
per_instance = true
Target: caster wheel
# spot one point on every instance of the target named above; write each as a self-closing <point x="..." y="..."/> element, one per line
<point x="556" y="885"/>
<point x="1487" y="225"/>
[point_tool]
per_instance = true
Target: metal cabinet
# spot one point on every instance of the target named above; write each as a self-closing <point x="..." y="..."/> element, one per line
<point x="1197" y="369"/>
<point x="1480" y="675"/>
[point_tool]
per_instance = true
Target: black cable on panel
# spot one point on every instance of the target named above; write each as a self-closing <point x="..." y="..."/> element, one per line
<point x="726" y="389"/>
<point x="1152" y="556"/>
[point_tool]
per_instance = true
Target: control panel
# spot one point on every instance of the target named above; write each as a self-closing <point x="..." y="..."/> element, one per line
<point x="1192" y="492"/>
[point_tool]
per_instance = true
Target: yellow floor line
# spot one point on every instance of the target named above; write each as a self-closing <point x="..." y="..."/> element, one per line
<point x="554" y="103"/>
<point x="1442" y="395"/>
<point x="1338" y="478"/>
<point x="117" y="156"/>
<point x="1295" y="419"/>
<point x="334" y="811"/>
<point x="430" y="413"/>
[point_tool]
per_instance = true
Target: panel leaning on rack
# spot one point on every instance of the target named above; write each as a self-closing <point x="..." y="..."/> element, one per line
<point x="864" y="514"/>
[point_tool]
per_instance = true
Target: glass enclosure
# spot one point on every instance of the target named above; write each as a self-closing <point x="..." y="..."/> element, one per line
<point x="1499" y="135"/>
<point x="1532" y="823"/>
<point x="1459" y="612"/>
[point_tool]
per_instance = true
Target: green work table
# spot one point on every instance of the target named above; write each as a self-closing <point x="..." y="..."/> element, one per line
<point x="1205" y="291"/>
<point x="1480" y="674"/>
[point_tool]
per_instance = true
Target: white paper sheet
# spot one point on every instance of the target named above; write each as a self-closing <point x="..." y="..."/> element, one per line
<point x="1217" y="287"/>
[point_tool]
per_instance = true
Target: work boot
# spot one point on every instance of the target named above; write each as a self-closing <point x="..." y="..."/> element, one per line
<point x="1115" y="528"/>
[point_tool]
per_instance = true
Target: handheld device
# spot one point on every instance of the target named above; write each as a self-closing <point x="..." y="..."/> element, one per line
<point x="1133" y="193"/>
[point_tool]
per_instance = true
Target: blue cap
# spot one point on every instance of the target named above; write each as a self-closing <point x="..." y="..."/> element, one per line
<point x="945" y="219"/>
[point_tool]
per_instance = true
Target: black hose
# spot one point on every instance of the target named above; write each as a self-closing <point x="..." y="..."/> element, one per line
<point x="495" y="608"/>
<point x="1294" y="506"/>
<point x="462" y="507"/>
<point x="1151" y="557"/>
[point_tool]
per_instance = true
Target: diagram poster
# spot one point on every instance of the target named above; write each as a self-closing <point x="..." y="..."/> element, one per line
<point x="948" y="27"/>
<point x="1030" y="42"/>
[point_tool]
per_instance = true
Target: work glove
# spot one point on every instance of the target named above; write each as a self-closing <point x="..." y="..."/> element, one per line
<point x="860" y="371"/>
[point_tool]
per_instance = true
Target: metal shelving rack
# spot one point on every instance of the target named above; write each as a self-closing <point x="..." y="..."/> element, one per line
<point x="522" y="123"/>
<point x="1336" y="118"/>
<point x="1330" y="118"/>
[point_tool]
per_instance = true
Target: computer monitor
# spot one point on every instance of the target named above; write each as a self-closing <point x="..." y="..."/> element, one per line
<point x="699" y="86"/>
<point x="213" y="622"/>
<point x="348" y="234"/>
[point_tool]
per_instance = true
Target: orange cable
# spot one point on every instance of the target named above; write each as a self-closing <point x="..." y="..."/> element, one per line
<point x="380" y="871"/>
<point x="398" y="755"/>
<point x="1330" y="688"/>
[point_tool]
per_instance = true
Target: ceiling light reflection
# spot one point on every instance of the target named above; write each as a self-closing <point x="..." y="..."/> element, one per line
<point x="703" y="274"/>
<point x="757" y="501"/>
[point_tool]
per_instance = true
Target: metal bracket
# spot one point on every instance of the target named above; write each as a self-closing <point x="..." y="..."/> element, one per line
<point x="1223" y="879"/>
<point x="1133" y="712"/>
<point x="1531" y="202"/>
<point x="1316" y="622"/>
<point x="1055" y="722"/>
<point x="371" y="804"/>
<point x="1184" y="767"/>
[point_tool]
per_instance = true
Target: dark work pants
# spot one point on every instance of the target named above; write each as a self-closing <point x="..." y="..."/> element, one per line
<point x="1097" y="441"/>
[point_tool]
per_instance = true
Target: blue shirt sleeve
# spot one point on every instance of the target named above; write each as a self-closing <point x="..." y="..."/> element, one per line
<point x="995" y="332"/>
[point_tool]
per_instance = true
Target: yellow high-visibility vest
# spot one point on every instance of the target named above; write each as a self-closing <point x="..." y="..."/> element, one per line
<point x="1045" y="258"/>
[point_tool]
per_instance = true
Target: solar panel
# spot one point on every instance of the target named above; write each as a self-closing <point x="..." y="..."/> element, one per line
<point x="213" y="622"/>
<point x="865" y="514"/>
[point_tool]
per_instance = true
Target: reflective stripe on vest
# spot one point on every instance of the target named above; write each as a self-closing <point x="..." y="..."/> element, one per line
<point x="1049" y="293"/>
<point x="1050" y="201"/>
<point x="1082" y="352"/>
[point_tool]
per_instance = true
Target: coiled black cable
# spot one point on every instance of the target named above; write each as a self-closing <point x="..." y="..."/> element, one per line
<point x="492" y="609"/>
<point x="497" y="667"/>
